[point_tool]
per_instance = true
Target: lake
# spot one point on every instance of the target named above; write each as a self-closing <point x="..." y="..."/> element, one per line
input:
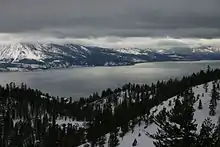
<point x="79" y="82"/>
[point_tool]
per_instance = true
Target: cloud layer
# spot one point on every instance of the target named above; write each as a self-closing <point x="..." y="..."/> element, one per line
<point x="123" y="18"/>
<point x="112" y="41"/>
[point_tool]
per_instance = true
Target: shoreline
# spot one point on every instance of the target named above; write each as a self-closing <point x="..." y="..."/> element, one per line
<point x="131" y="64"/>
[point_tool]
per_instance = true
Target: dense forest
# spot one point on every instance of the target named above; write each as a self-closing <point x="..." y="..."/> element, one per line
<point x="28" y="117"/>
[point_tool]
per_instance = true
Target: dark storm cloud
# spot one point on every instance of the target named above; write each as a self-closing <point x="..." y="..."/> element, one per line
<point x="82" y="18"/>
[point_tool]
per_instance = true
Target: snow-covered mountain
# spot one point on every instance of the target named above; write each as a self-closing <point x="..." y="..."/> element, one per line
<point x="48" y="55"/>
<point x="194" y="50"/>
<point x="30" y="56"/>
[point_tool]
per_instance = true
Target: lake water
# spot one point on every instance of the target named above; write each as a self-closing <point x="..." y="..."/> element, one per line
<point x="78" y="82"/>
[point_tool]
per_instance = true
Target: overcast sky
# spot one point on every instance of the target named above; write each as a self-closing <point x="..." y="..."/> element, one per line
<point x="122" y="18"/>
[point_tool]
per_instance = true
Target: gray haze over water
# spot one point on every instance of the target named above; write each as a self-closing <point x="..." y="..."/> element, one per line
<point x="79" y="82"/>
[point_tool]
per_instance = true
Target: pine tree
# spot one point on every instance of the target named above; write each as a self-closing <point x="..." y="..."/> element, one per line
<point x="208" y="69"/>
<point x="134" y="142"/>
<point x="179" y="129"/>
<point x="215" y="93"/>
<point x="92" y="135"/>
<point x="213" y="101"/>
<point x="205" y="86"/>
<point x="170" y="103"/>
<point x="200" y="105"/>
<point x="205" y="138"/>
<point x="101" y="141"/>
<point x="218" y="86"/>
<point x="216" y="134"/>
<point x="113" y="140"/>
<point x="212" y="107"/>
<point x="124" y="129"/>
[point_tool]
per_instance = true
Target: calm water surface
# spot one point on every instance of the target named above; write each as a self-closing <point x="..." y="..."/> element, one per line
<point x="78" y="82"/>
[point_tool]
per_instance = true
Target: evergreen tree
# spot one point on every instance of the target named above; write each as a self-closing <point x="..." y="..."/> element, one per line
<point x="124" y="129"/>
<point x="216" y="134"/>
<point x="134" y="142"/>
<point x="205" y="138"/>
<point x="179" y="129"/>
<point x="213" y="101"/>
<point x="170" y="103"/>
<point x="113" y="140"/>
<point x="200" y="105"/>
<point x="218" y="86"/>
<point x="212" y="107"/>
<point x="215" y="93"/>
<point x="205" y="86"/>
<point x="101" y="141"/>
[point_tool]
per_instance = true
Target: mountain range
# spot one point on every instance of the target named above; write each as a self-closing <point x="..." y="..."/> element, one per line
<point x="32" y="56"/>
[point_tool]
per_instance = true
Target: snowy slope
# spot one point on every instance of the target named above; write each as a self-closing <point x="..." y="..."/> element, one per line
<point x="20" y="51"/>
<point x="199" y="115"/>
<point x="135" y="51"/>
<point x="35" y="51"/>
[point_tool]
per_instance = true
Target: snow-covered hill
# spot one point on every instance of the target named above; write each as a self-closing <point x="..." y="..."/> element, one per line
<point x="29" y="56"/>
<point x="140" y="131"/>
<point x="199" y="116"/>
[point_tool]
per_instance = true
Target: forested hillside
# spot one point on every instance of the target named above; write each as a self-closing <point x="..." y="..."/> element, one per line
<point x="32" y="118"/>
<point x="192" y="110"/>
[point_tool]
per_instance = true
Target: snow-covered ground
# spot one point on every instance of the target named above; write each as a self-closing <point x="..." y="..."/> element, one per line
<point x="134" y="51"/>
<point x="67" y="121"/>
<point x="200" y="115"/>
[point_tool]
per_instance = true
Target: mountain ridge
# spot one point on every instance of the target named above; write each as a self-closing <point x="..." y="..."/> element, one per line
<point x="30" y="56"/>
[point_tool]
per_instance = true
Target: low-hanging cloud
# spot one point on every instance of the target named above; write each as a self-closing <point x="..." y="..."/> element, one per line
<point x="111" y="41"/>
